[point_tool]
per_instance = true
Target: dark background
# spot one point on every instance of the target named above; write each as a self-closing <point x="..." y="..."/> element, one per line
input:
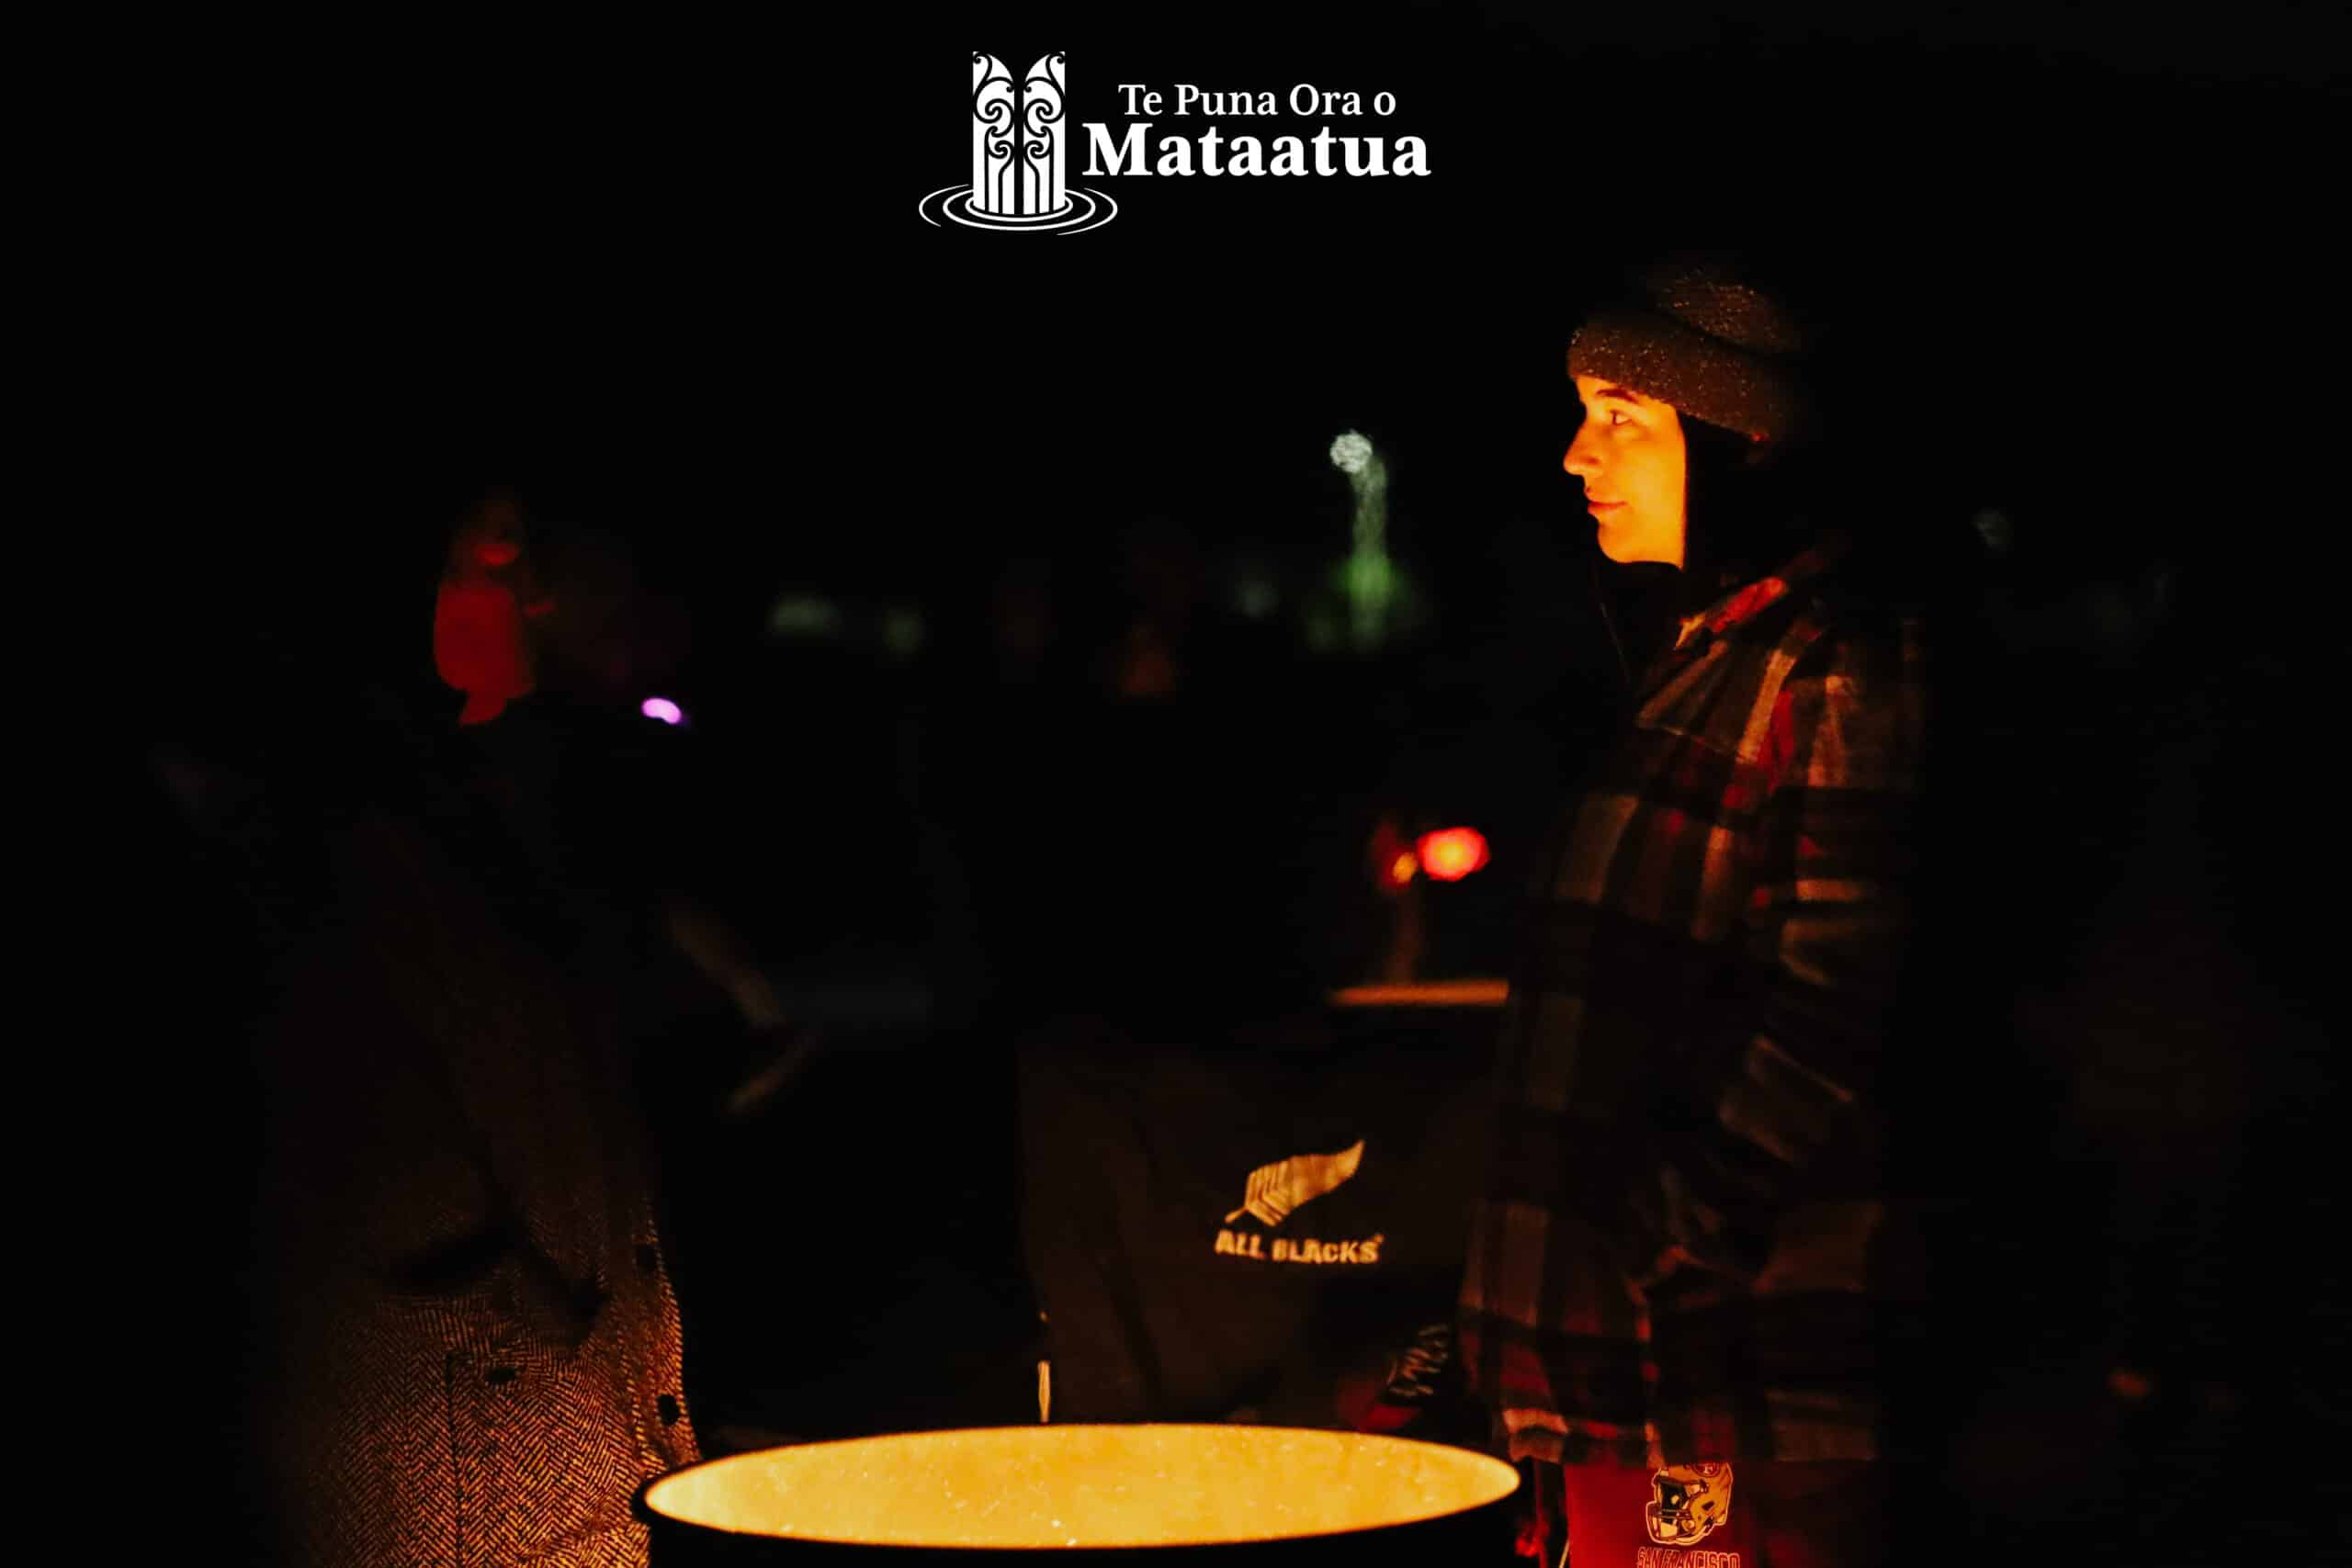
<point x="674" y="292"/>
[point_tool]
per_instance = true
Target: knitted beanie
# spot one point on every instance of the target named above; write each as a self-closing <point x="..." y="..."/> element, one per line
<point x="1696" y="336"/>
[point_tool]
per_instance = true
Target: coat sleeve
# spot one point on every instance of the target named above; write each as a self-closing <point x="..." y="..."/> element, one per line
<point x="1779" y="1103"/>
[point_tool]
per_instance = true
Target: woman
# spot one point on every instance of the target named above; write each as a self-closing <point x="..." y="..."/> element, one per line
<point x="1667" y="1306"/>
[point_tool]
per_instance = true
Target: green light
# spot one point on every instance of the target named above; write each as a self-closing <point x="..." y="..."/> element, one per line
<point x="1376" y="592"/>
<point x="902" y="631"/>
<point x="804" y="616"/>
<point x="1370" y="577"/>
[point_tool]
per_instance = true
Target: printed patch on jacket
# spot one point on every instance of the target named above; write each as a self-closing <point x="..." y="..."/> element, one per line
<point x="1297" y="1249"/>
<point x="1276" y="1191"/>
<point x="1688" y="1502"/>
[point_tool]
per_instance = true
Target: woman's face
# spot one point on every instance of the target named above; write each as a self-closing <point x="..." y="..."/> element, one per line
<point x="1635" y="468"/>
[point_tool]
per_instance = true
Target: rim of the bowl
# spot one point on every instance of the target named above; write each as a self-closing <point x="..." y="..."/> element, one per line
<point x="1500" y="1470"/>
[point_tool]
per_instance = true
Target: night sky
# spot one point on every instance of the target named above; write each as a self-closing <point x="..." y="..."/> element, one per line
<point x="663" y="279"/>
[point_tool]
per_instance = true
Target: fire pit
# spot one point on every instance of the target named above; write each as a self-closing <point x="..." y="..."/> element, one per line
<point x="1239" y="1493"/>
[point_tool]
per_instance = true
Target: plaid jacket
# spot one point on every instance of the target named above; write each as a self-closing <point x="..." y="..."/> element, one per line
<point x="1673" y="1254"/>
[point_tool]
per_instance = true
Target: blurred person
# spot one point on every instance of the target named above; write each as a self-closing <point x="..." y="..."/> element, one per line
<point x="468" y="1348"/>
<point x="2115" y="1332"/>
<point x="1238" y="1203"/>
<point x="1669" y="1304"/>
<point x="488" y="589"/>
<point x="605" y="638"/>
<point x="477" y="1350"/>
<point x="1160" y="573"/>
<point x="1001" y="720"/>
<point x="1021" y="622"/>
<point x="2151" y="1027"/>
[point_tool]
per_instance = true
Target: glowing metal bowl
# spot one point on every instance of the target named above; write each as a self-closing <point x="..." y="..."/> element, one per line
<point x="1165" y="1493"/>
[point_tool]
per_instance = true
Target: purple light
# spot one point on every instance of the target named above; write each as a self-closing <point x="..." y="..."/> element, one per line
<point x="664" y="709"/>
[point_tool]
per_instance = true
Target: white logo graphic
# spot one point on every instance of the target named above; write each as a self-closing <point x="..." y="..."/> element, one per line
<point x="1278" y="1188"/>
<point x="1017" y="158"/>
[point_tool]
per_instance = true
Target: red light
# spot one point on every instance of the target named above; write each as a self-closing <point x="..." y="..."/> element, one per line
<point x="1401" y="869"/>
<point x="1454" y="854"/>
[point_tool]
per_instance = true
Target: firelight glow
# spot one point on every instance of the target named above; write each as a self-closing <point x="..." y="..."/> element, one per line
<point x="1055" y="1487"/>
<point x="1454" y="854"/>
<point x="664" y="709"/>
<point x="1426" y="993"/>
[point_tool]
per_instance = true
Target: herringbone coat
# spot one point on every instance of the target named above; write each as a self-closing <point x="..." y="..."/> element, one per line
<point x="471" y="1354"/>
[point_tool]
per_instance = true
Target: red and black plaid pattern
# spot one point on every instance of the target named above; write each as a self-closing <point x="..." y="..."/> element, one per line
<point x="1673" y="1251"/>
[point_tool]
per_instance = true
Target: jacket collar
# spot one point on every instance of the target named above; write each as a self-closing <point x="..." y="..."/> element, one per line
<point x="1747" y="602"/>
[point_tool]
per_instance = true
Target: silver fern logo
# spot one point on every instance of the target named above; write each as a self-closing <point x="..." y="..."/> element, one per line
<point x="1019" y="152"/>
<point x="1276" y="1190"/>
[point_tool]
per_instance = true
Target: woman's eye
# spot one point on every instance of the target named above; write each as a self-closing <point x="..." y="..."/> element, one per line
<point x="1619" y="416"/>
